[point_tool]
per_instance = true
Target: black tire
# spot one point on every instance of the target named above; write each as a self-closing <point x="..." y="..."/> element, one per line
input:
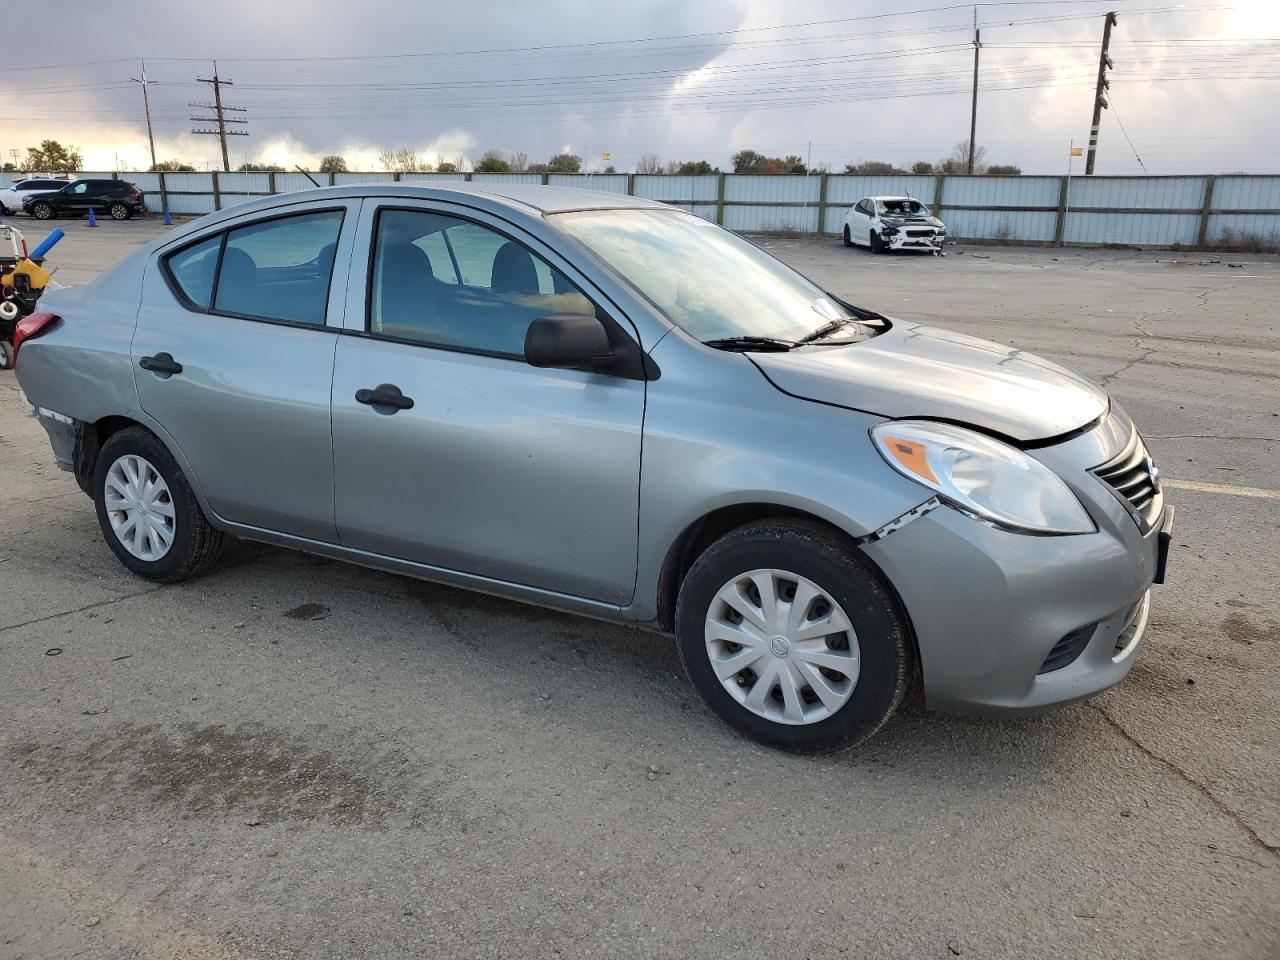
<point x="848" y="239"/>
<point x="195" y="545"/>
<point x="119" y="211"/>
<point x="877" y="245"/>
<point x="42" y="210"/>
<point x="831" y="561"/>
<point x="6" y="355"/>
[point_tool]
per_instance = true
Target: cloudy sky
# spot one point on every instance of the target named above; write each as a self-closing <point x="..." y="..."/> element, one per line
<point x="1195" y="84"/>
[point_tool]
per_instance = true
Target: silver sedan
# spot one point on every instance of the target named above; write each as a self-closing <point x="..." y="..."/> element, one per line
<point x="612" y="407"/>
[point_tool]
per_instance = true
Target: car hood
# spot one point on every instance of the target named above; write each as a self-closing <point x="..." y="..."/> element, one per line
<point x="890" y="221"/>
<point x="912" y="370"/>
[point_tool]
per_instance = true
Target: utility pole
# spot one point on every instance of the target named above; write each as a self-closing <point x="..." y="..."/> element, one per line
<point x="219" y="116"/>
<point x="1100" y="94"/>
<point x="146" y="104"/>
<point x="973" y="115"/>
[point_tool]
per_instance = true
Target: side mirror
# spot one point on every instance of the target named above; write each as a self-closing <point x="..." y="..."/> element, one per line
<point x="567" y="340"/>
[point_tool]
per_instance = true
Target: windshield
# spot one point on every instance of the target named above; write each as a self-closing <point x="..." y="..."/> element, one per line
<point x="708" y="281"/>
<point x="902" y="208"/>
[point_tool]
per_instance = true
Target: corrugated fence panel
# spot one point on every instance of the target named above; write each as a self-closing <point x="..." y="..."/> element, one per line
<point x="343" y="178"/>
<point x="431" y="177"/>
<point x="1001" y="192"/>
<point x="1265" y="226"/>
<point x="193" y="182"/>
<point x="146" y="182"/>
<point x="234" y="199"/>
<point x="1246" y="193"/>
<point x="754" y="218"/>
<point x="846" y="190"/>
<point x="1154" y="229"/>
<point x="190" y="202"/>
<point x="608" y="182"/>
<point x="1136" y="193"/>
<point x="244" y="182"/>
<point x="669" y="189"/>
<point x="507" y="177"/>
<point x="1027" y="225"/>
<point x="780" y="189"/>
<point x="289" y="182"/>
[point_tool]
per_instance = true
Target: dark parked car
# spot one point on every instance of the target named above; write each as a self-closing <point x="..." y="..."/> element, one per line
<point x="119" y="199"/>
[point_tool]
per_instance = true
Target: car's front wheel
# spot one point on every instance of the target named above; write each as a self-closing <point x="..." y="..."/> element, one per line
<point x="119" y="211"/>
<point x="6" y="355"/>
<point x="877" y="244"/>
<point x="791" y="638"/>
<point x="147" y="510"/>
<point x="42" y="210"/>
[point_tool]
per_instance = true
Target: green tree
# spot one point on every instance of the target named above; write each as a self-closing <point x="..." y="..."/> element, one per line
<point x="694" y="168"/>
<point x="873" y="168"/>
<point x="446" y="166"/>
<point x="172" y="166"/>
<point x="9" y="166"/>
<point x="493" y="162"/>
<point x="748" y="161"/>
<point x="53" y="156"/>
<point x="333" y="164"/>
<point x="250" y="167"/>
<point x="564" y="163"/>
<point x="1004" y="170"/>
<point x="922" y="168"/>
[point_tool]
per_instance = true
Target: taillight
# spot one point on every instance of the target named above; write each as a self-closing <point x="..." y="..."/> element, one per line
<point x="30" y="327"/>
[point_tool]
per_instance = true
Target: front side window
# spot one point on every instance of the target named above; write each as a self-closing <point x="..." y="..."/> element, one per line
<point x="80" y="188"/>
<point x="446" y="282"/>
<point x="279" y="269"/>
<point x="706" y="280"/>
<point x="193" y="270"/>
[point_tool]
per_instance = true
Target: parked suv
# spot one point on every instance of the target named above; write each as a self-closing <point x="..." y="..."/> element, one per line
<point x="12" y="196"/>
<point x="119" y="199"/>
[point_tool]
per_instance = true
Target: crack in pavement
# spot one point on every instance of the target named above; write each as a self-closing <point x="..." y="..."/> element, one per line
<point x="87" y="606"/>
<point x="1205" y="436"/>
<point x="1192" y="781"/>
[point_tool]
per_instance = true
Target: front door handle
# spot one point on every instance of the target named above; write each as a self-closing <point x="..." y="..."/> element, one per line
<point x="161" y="363"/>
<point x="385" y="395"/>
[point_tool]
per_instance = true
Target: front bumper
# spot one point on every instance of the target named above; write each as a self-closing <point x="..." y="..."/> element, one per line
<point x="915" y="239"/>
<point x="989" y="606"/>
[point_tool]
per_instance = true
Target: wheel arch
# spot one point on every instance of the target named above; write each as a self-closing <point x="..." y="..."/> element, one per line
<point x="711" y="526"/>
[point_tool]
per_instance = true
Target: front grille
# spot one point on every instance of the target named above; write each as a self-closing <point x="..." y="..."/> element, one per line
<point x="920" y="233"/>
<point x="1134" y="479"/>
<point x="1066" y="650"/>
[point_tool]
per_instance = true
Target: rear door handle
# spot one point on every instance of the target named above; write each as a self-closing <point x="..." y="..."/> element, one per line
<point x="160" y="363"/>
<point x="385" y="395"/>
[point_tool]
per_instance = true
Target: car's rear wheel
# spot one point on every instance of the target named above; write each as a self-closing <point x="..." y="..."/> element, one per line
<point x="147" y="510"/>
<point x="848" y="237"/>
<point x="42" y="210"/>
<point x="119" y="211"/>
<point x="791" y="638"/>
<point x="6" y="355"/>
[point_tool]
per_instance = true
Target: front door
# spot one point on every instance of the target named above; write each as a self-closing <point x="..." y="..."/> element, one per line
<point x="233" y="357"/>
<point x="450" y="449"/>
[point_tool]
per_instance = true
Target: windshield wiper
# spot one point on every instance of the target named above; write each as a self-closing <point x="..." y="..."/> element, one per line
<point x="829" y="328"/>
<point x="772" y="344"/>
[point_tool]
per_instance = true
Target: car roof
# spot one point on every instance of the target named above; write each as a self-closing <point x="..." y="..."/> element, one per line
<point x="896" y="197"/>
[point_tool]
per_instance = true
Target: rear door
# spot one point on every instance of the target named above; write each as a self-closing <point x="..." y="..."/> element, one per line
<point x="498" y="469"/>
<point x="250" y="315"/>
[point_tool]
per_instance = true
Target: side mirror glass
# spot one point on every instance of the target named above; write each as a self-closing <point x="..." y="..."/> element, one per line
<point x="567" y="340"/>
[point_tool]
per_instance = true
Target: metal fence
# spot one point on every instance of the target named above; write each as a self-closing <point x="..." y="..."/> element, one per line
<point x="1086" y="211"/>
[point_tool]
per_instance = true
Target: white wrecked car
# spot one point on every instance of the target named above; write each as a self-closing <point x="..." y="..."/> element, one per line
<point x="893" y="223"/>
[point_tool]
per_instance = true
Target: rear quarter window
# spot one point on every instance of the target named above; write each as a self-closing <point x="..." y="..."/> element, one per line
<point x="192" y="270"/>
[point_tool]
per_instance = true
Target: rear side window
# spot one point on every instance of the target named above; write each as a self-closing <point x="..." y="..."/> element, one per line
<point x="192" y="270"/>
<point x="280" y="269"/>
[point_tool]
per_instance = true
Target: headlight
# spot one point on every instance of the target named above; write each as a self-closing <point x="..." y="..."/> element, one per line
<point x="982" y="476"/>
<point x="889" y="231"/>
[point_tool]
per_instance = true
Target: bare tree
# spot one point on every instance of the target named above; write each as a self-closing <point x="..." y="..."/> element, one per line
<point x="649" y="163"/>
<point x="519" y="161"/>
<point x="402" y="160"/>
<point x="957" y="161"/>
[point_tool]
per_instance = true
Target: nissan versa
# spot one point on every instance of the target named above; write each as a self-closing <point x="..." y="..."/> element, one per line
<point x="612" y="407"/>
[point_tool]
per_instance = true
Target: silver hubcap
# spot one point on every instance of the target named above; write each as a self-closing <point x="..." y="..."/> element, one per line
<point x="139" y="507"/>
<point x="782" y="647"/>
<point x="118" y="212"/>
